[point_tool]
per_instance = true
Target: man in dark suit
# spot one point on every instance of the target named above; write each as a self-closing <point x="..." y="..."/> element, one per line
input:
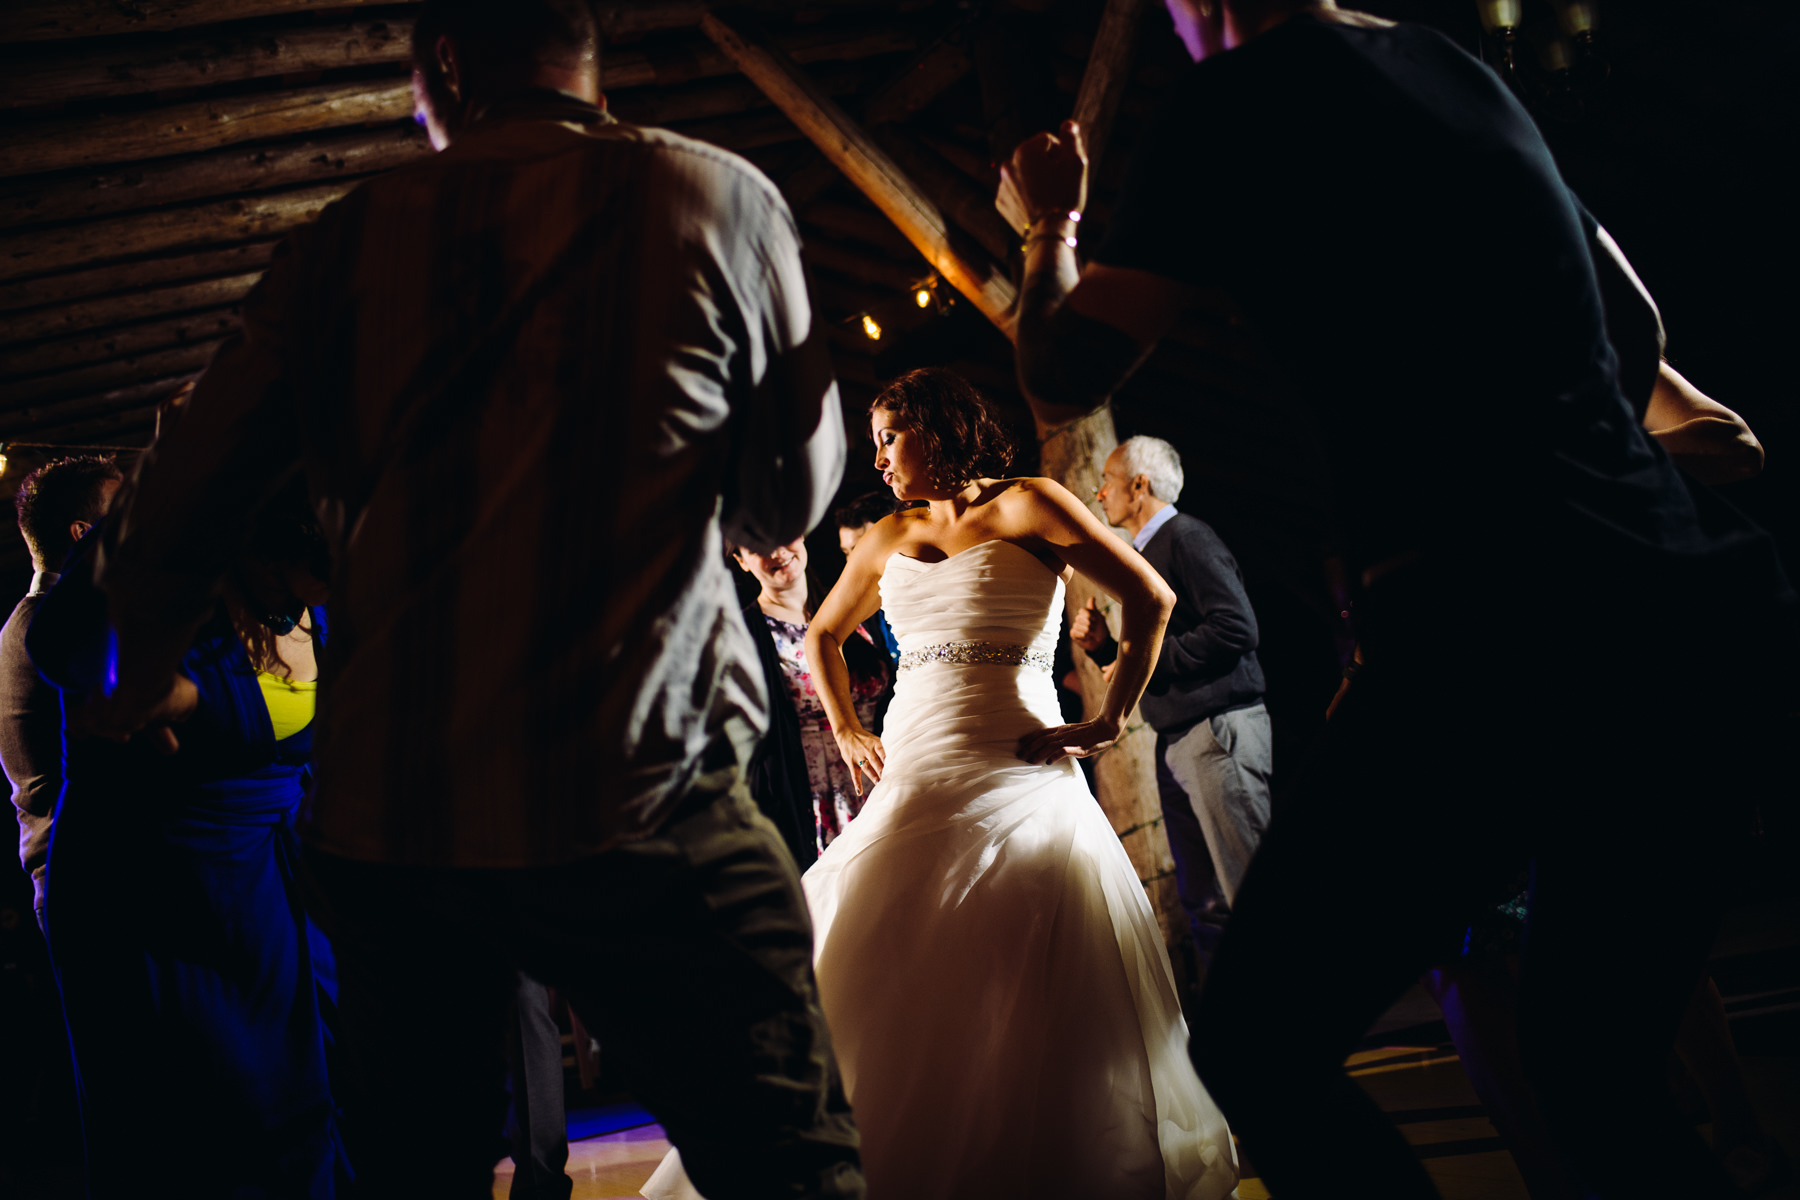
<point x="1205" y="700"/>
<point x="57" y="503"/>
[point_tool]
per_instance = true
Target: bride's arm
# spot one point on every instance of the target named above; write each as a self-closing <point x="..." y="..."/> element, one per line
<point x="853" y="600"/>
<point x="1145" y="603"/>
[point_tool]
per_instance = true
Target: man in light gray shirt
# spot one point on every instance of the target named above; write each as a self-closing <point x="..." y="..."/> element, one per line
<point x="529" y="380"/>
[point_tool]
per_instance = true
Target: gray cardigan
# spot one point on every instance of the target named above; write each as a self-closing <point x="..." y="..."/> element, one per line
<point x="1208" y="663"/>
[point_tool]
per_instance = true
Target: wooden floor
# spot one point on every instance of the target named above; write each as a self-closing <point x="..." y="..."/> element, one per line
<point x="1424" y="1086"/>
<point x="1413" y="1073"/>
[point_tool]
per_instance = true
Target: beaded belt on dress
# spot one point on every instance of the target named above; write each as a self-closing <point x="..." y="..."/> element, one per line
<point x="1000" y="653"/>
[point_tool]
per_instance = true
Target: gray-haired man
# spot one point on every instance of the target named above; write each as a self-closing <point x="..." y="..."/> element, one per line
<point x="1213" y="749"/>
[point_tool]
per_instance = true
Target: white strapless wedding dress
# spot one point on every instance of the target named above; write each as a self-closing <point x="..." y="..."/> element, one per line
<point x="998" y="992"/>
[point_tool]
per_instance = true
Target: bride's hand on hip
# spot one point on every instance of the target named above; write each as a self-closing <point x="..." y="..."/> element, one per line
<point x="1082" y="740"/>
<point x="863" y="754"/>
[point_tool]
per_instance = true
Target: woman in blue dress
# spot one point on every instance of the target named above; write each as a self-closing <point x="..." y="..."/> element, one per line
<point x="197" y="991"/>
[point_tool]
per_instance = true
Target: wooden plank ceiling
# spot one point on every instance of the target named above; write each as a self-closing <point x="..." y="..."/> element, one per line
<point x="152" y="154"/>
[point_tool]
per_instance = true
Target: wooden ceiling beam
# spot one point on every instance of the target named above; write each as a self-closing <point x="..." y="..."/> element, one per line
<point x="136" y="395"/>
<point x="971" y="207"/>
<point x="98" y="345"/>
<point x="150" y="64"/>
<point x="54" y="20"/>
<point x="66" y="320"/>
<point x="828" y="126"/>
<point x="936" y="69"/>
<point x="750" y="132"/>
<point x="1108" y="73"/>
<point x="62" y="248"/>
<point x="202" y="125"/>
<point x="665" y="106"/>
<point x="124" y="423"/>
<point x="160" y="62"/>
<point x="33" y="394"/>
<point x="120" y="277"/>
<point x="623" y="69"/>
<point x="866" y="268"/>
<point x="51" y="20"/>
<point x="850" y="221"/>
<point x="237" y="169"/>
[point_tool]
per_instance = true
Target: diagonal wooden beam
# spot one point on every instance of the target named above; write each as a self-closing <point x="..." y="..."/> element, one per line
<point x="963" y="265"/>
<point x="1108" y="74"/>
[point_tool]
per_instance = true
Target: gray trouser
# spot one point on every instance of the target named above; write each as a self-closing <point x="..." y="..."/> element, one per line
<point x="1214" y="781"/>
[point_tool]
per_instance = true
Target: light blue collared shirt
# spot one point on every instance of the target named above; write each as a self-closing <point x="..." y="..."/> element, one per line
<point x="1163" y="516"/>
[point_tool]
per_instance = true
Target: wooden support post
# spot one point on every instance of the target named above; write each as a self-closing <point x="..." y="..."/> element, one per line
<point x="232" y="171"/>
<point x="1108" y="73"/>
<point x="1018" y="87"/>
<point x="37" y="252"/>
<point x="121" y="277"/>
<point x="203" y="125"/>
<point x="1075" y="455"/>
<point x="986" y="284"/>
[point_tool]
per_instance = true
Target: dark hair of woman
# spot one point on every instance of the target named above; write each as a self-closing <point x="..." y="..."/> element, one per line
<point x="958" y="426"/>
<point x="285" y="548"/>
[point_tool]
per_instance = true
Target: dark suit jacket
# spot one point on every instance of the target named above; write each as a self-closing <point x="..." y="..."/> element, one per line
<point x="1208" y="664"/>
<point x="30" y="742"/>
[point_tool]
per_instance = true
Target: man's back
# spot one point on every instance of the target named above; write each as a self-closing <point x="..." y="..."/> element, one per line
<point x="526" y="373"/>
<point x="1393" y="225"/>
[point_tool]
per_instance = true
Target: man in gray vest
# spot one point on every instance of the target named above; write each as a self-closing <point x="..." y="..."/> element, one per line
<point x="1205" y="699"/>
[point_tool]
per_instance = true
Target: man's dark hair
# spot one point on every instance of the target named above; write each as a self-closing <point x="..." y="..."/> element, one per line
<point x="498" y="38"/>
<point x="961" y="433"/>
<point x="58" y="494"/>
<point x="866" y="510"/>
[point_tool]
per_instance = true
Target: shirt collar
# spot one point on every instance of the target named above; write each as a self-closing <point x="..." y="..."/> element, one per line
<point x="544" y="104"/>
<point x="43" y="581"/>
<point x="1163" y="516"/>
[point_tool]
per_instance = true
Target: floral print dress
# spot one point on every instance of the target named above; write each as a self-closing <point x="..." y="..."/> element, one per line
<point x="834" y="798"/>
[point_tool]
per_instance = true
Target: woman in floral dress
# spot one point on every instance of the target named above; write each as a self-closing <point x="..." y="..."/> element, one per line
<point x="798" y="775"/>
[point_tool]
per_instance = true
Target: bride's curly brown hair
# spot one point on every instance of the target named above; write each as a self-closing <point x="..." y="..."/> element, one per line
<point x="957" y="426"/>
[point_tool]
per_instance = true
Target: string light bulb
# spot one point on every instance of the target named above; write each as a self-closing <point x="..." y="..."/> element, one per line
<point x="871" y="327"/>
<point x="922" y="297"/>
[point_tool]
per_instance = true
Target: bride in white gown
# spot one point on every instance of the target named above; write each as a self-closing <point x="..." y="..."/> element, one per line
<point x="998" y="993"/>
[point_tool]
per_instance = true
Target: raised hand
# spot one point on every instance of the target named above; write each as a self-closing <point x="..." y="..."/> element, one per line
<point x="1088" y="629"/>
<point x="863" y="754"/>
<point x="1082" y="740"/>
<point x="1047" y="174"/>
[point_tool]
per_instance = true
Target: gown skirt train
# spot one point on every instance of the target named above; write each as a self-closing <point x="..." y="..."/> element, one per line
<point x="998" y="992"/>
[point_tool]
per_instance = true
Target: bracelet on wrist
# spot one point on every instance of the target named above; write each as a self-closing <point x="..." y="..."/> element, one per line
<point x="1061" y="228"/>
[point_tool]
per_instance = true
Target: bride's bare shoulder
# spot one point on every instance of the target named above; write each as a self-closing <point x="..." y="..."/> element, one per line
<point x="1034" y="494"/>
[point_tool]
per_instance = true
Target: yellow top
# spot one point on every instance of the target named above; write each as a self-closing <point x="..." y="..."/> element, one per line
<point x="290" y="701"/>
